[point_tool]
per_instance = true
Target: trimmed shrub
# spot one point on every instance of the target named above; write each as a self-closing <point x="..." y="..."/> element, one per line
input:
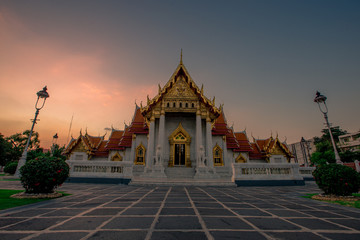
<point x="43" y="174"/>
<point x="337" y="179"/>
<point x="10" y="167"/>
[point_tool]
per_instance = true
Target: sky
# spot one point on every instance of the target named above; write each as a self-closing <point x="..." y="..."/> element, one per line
<point x="264" y="60"/>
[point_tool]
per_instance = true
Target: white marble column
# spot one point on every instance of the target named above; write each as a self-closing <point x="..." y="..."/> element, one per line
<point x="198" y="139"/>
<point x="161" y="136"/>
<point x="209" y="145"/>
<point x="132" y="152"/>
<point x="150" y="144"/>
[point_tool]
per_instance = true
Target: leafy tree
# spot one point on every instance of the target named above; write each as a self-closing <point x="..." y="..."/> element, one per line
<point x="19" y="140"/>
<point x="324" y="148"/>
<point x="7" y="153"/>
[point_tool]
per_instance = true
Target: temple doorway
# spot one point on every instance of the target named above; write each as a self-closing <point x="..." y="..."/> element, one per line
<point x="179" y="155"/>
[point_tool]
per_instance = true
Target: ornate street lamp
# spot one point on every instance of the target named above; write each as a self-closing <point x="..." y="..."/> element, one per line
<point x="42" y="95"/>
<point x="321" y="101"/>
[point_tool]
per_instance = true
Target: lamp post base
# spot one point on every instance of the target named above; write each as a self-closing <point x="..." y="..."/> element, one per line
<point x="21" y="163"/>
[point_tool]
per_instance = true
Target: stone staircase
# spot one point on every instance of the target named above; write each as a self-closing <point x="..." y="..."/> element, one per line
<point x="180" y="176"/>
<point x="180" y="172"/>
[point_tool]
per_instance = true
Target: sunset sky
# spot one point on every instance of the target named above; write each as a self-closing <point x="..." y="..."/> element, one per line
<point x="264" y="60"/>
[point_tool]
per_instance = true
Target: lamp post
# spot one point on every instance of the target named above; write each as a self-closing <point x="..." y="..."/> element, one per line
<point x="321" y="101"/>
<point x="42" y="94"/>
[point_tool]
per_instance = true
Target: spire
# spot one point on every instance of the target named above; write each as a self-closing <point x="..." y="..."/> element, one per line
<point x="181" y="62"/>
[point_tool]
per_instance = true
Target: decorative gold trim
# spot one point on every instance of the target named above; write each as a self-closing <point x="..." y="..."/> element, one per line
<point x="117" y="157"/>
<point x="140" y="155"/>
<point x="179" y="136"/>
<point x="240" y="159"/>
<point x="218" y="156"/>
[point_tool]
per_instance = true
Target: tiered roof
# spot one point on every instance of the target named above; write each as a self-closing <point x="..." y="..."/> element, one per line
<point x="244" y="143"/>
<point x="114" y="140"/>
<point x="264" y="148"/>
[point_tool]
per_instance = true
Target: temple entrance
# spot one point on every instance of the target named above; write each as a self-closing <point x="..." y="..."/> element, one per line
<point x="179" y="148"/>
<point x="179" y="155"/>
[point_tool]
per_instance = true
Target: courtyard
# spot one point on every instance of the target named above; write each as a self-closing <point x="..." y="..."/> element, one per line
<point x="107" y="211"/>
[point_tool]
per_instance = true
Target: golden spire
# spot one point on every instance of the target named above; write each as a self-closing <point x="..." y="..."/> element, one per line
<point x="181" y="62"/>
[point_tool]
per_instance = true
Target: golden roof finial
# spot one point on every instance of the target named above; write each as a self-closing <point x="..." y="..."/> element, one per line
<point x="202" y="89"/>
<point x="181" y="62"/>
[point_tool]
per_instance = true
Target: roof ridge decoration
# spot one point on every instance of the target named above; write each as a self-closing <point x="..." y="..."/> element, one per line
<point x="180" y="71"/>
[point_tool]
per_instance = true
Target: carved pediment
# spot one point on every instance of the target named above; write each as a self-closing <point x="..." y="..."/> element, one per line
<point x="180" y="90"/>
<point x="80" y="147"/>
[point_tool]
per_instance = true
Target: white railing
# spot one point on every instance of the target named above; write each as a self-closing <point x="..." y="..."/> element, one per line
<point x="266" y="171"/>
<point x="306" y="172"/>
<point x="100" y="169"/>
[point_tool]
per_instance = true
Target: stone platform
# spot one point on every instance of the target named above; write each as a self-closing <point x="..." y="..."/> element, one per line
<point x="108" y="211"/>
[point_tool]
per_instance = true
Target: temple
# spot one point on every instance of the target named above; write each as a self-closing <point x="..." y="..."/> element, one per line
<point x="180" y="137"/>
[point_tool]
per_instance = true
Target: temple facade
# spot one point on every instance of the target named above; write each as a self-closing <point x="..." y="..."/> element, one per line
<point x="180" y="136"/>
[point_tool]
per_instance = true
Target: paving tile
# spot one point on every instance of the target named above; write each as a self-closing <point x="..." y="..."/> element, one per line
<point x="215" y="212"/>
<point x="60" y="236"/>
<point x="178" y="222"/>
<point x="115" y="235"/>
<point x="342" y="236"/>
<point x="177" y="205"/>
<point x="286" y="213"/>
<point x="129" y="223"/>
<point x="82" y="223"/>
<point x="64" y="212"/>
<point x="352" y="223"/>
<point x="208" y="205"/>
<point x="147" y="204"/>
<point x="13" y="236"/>
<point x="322" y="214"/>
<point x="294" y="235"/>
<point x="117" y="204"/>
<point x="315" y="224"/>
<point x="8" y="221"/>
<point x="104" y="211"/>
<point x="175" y="235"/>
<point x="30" y="213"/>
<point x="250" y="212"/>
<point x="238" y="205"/>
<point x="224" y="235"/>
<point x="140" y="211"/>
<point x="177" y="211"/>
<point x="225" y="223"/>
<point x="272" y="224"/>
<point x="36" y="224"/>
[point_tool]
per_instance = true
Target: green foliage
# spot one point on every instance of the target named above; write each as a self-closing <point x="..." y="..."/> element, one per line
<point x="19" y="140"/>
<point x="7" y="152"/>
<point x="43" y="174"/>
<point x="10" y="167"/>
<point x="7" y="202"/>
<point x="349" y="156"/>
<point x="337" y="179"/>
<point x="320" y="158"/>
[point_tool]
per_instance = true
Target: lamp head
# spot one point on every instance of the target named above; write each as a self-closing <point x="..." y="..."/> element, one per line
<point x="43" y="93"/>
<point x="319" y="98"/>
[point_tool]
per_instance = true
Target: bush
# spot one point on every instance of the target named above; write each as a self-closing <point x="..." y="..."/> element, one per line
<point x="337" y="179"/>
<point x="10" y="167"/>
<point x="43" y="174"/>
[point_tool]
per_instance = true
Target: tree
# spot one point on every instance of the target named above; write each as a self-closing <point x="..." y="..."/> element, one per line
<point x="19" y="140"/>
<point x="7" y="154"/>
<point x="324" y="149"/>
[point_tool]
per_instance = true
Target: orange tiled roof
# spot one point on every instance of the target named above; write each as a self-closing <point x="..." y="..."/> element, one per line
<point x="101" y="150"/>
<point x="138" y="125"/>
<point x="114" y="140"/>
<point x="231" y="142"/>
<point x="256" y="152"/>
<point x="126" y="139"/>
<point x="244" y="143"/>
<point x="220" y="126"/>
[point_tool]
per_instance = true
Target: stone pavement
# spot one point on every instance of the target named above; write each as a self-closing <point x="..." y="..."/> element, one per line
<point x="97" y="211"/>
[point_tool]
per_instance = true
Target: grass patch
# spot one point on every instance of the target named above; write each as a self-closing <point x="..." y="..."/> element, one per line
<point x="355" y="204"/>
<point x="2" y="174"/>
<point x="7" y="202"/>
<point x="10" y="179"/>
